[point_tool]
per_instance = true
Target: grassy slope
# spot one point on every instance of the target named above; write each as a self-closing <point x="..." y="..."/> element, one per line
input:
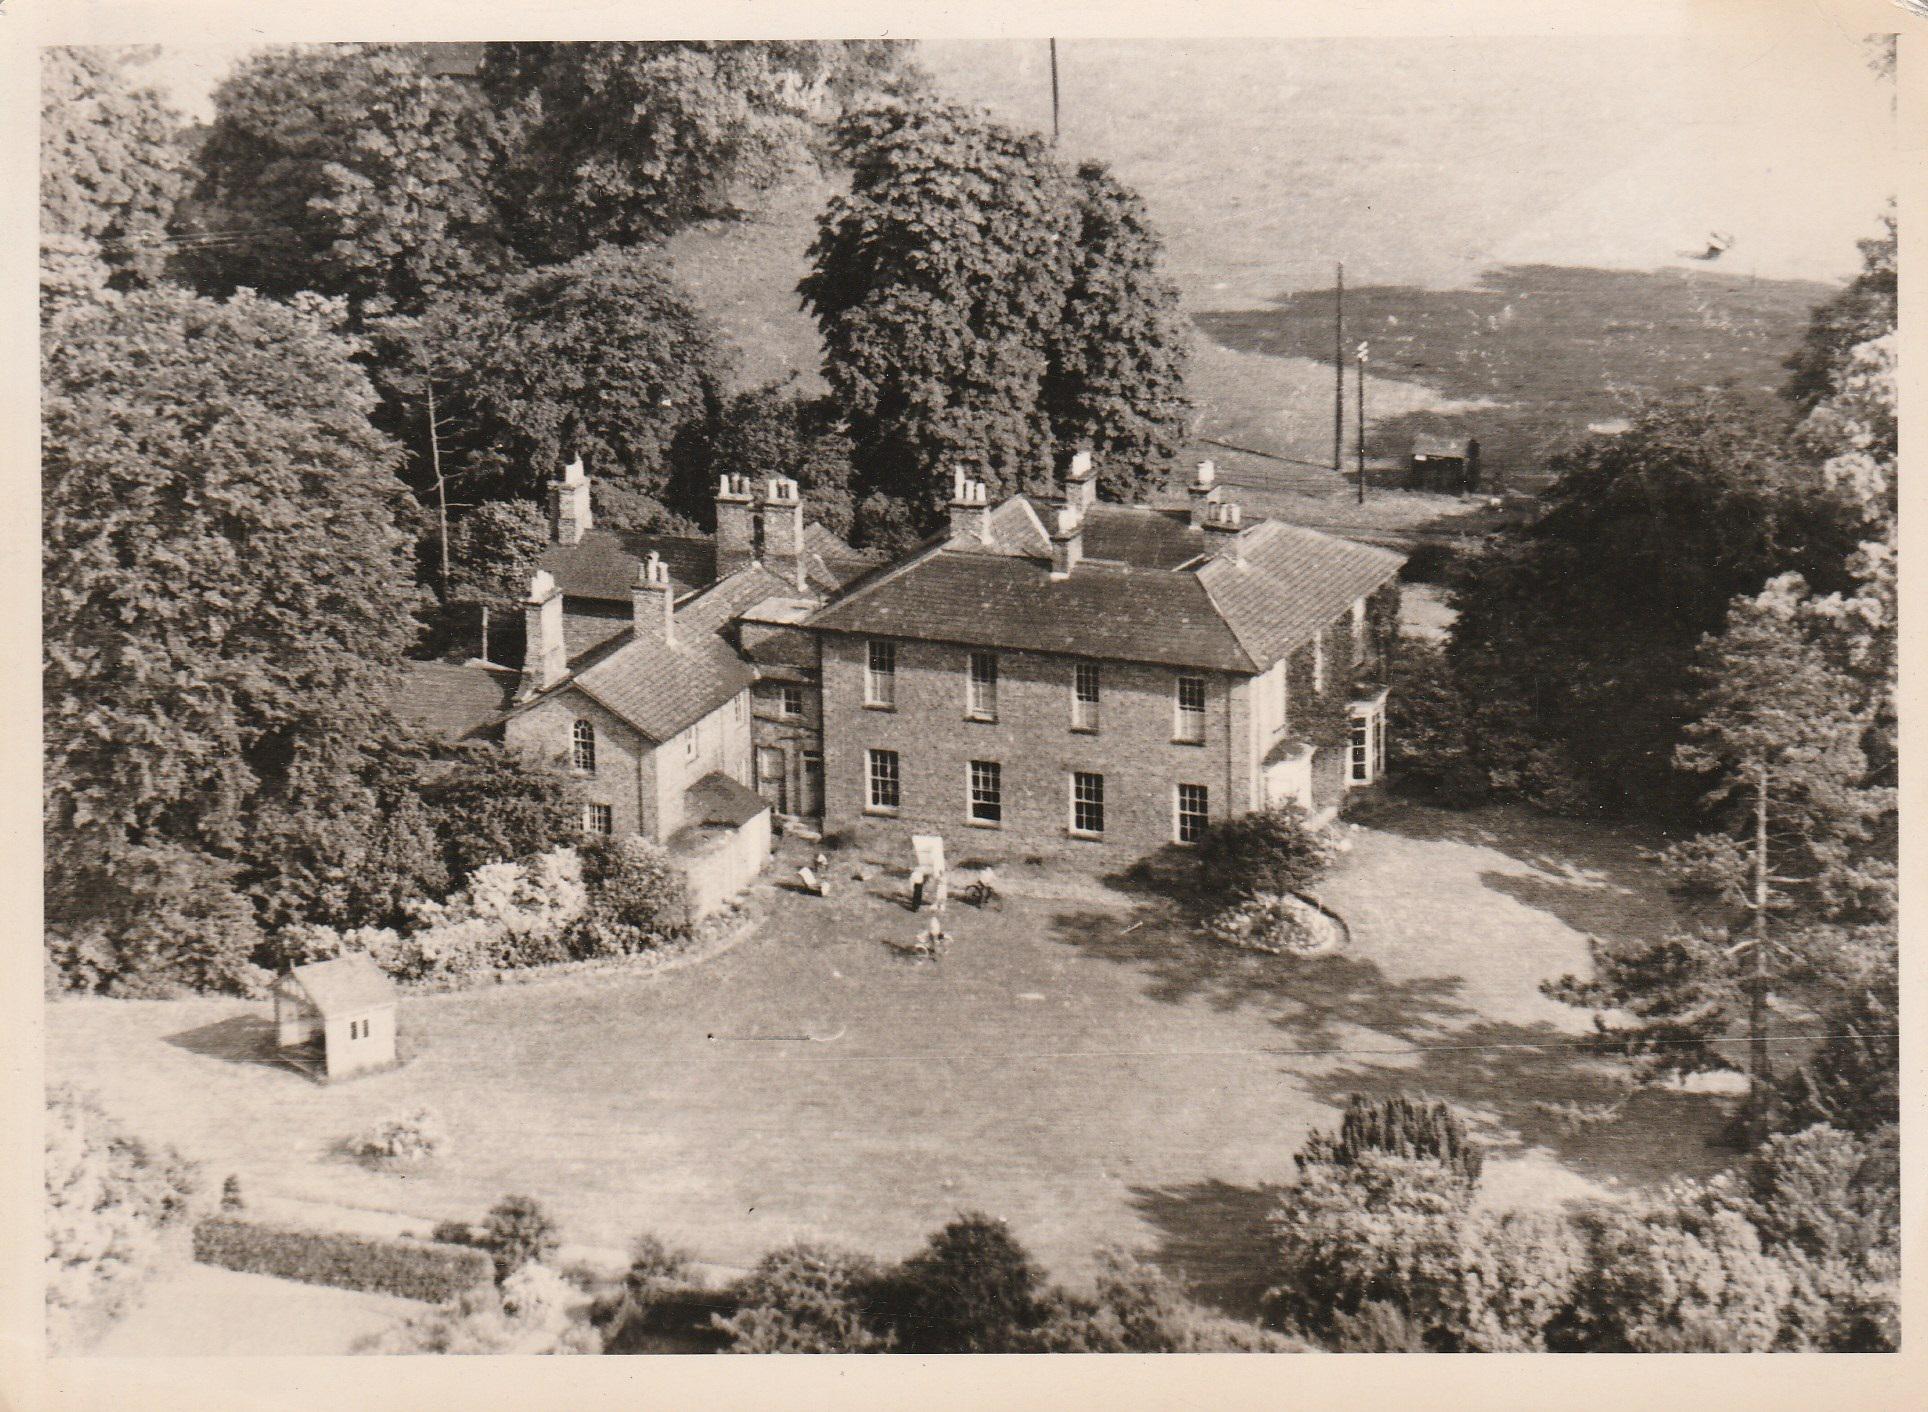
<point x="1513" y="286"/>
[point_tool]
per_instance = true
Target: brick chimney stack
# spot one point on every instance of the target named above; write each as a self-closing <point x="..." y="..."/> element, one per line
<point x="569" y="517"/>
<point x="1223" y="525"/>
<point x="783" y="530"/>
<point x="1067" y="542"/>
<point x="1203" y="492"/>
<point x="545" y="659"/>
<point x="1080" y="483"/>
<point x="652" y="600"/>
<point x="735" y="524"/>
<point x="970" y="511"/>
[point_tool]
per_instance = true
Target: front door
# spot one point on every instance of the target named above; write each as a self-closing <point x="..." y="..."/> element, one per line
<point x="812" y="784"/>
<point x="770" y="779"/>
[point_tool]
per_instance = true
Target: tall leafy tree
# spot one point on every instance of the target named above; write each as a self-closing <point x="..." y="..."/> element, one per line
<point x="604" y="357"/>
<point x="111" y="170"/>
<point x="226" y="585"/>
<point x="1117" y="383"/>
<point x="628" y="142"/>
<point x="1866" y="309"/>
<point x="1588" y="620"/>
<point x="776" y="431"/>
<point x="937" y="283"/>
<point x="351" y="170"/>
<point x="495" y="549"/>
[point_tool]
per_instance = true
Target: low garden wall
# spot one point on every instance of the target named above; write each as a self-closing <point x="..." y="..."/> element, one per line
<point x="718" y="863"/>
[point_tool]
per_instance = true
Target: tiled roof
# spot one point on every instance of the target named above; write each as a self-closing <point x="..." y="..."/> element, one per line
<point x="1221" y="615"/>
<point x="603" y="564"/>
<point x="454" y="700"/>
<point x="718" y="799"/>
<point x="344" y="985"/>
<point x="1289" y="582"/>
<point x="716" y="607"/>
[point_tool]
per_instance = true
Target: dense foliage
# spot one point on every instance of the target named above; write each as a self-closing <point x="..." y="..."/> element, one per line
<point x="110" y="1203"/>
<point x="774" y="431"/>
<point x="623" y="143"/>
<point x="603" y="358"/>
<point x="517" y="1232"/>
<point x="1866" y="309"/>
<point x="493" y="551"/>
<point x="111" y="171"/>
<point x="491" y="804"/>
<point x="807" y="1299"/>
<point x="405" y="1269"/>
<point x="1269" y="851"/>
<point x="349" y="170"/>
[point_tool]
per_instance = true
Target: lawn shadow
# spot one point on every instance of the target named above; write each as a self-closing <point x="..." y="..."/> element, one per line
<point x="1552" y="843"/>
<point x="1317" y="1000"/>
<point x="239" y="1039"/>
<point x="1524" y="1087"/>
<point x="1598" y="909"/>
<point x="1550" y="349"/>
<point x="1213" y="1237"/>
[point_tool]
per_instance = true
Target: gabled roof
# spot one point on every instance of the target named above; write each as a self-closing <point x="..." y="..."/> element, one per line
<point x="344" y="985"/>
<point x="454" y="700"/>
<point x="1150" y="589"/>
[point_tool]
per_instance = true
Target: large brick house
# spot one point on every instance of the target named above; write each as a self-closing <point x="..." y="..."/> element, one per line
<point x="1074" y="677"/>
<point x="1046" y="677"/>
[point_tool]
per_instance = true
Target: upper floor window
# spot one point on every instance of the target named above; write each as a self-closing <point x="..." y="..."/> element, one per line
<point x="884" y="796"/>
<point x="880" y="674"/>
<point x="1358" y="630"/>
<point x="1087" y="803"/>
<point x="1318" y="664"/>
<point x="1084" y="696"/>
<point x="582" y="747"/>
<point x="793" y="701"/>
<point x="981" y="701"/>
<point x="1190" y="714"/>
<point x="1285" y="694"/>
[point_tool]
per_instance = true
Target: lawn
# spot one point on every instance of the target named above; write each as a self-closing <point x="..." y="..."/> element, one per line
<point x="1075" y="1064"/>
<point x="197" y="1311"/>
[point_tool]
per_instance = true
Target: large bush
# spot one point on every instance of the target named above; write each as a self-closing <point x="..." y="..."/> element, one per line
<point x="807" y="1299"/>
<point x="406" y="1269"/>
<point x="1401" y="1127"/>
<point x="110" y="1201"/>
<point x="1268" y="851"/>
<point x="1137" y="1308"/>
<point x="536" y="1311"/>
<point x="638" y="898"/>
<point x="509" y="915"/>
<point x="972" y="1289"/>
<point x="492" y="804"/>
<point x="516" y="1232"/>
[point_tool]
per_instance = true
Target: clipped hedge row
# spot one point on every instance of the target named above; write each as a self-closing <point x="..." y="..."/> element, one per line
<point x="409" y="1269"/>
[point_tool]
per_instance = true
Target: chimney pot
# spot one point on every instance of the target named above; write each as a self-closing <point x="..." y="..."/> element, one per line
<point x="545" y="658"/>
<point x="569" y="514"/>
<point x="1067" y="541"/>
<point x="1081" y="482"/>
<point x="653" y="600"/>
<point x="1203" y="493"/>
<point x="970" y="510"/>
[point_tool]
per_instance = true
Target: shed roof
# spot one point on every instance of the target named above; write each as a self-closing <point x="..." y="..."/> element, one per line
<point x="344" y="985"/>
<point x="1455" y="446"/>
<point x="718" y="799"/>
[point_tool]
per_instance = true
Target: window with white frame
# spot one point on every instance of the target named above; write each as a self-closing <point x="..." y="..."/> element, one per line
<point x="880" y="674"/>
<point x="1285" y="693"/>
<point x="582" y="747"/>
<point x="981" y="698"/>
<point x="987" y="792"/>
<point x="885" y="795"/>
<point x="793" y="701"/>
<point x="1087" y="803"/>
<point x="1366" y="747"/>
<point x="1193" y="810"/>
<point x="1189" y="714"/>
<point x="598" y="818"/>
<point x="1085" y="686"/>
<point x="1318" y="663"/>
<point x="1358" y="630"/>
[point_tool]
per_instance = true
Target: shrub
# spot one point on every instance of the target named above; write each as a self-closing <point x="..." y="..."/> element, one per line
<point x="972" y="1289"/>
<point x="807" y="1299"/>
<point x="231" y="1198"/>
<point x="1274" y="924"/>
<point x="1375" y="1327"/>
<point x="109" y="1201"/>
<point x="1434" y="748"/>
<point x="1400" y="1127"/>
<point x="1269" y="851"/>
<point x="516" y="1232"/>
<point x="507" y="915"/>
<point x="406" y="1140"/>
<point x="638" y="898"/>
<point x="407" y="1269"/>
<point x="1518" y="1274"/>
<point x="1138" y="1309"/>
<point x="1431" y="561"/>
<point x="537" y="1311"/>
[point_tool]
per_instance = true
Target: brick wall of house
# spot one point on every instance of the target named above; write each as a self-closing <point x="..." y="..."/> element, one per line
<point x="1034" y="743"/>
<point x="785" y="741"/>
<point x="625" y="777"/>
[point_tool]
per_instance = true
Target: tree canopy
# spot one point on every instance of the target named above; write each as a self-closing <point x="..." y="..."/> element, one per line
<point x="622" y="143"/>
<point x="111" y="170"/>
<point x="350" y="170"/>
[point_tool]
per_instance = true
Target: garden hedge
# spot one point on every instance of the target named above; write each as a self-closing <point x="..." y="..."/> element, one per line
<point x="409" y="1269"/>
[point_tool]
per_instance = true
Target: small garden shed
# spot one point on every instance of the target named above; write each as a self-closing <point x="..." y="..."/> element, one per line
<point x="337" y="1015"/>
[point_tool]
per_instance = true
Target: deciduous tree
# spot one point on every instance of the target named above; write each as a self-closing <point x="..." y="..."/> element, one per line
<point x="493" y="552"/>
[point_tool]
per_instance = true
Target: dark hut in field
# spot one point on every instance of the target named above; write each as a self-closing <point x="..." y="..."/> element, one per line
<point x="1446" y="464"/>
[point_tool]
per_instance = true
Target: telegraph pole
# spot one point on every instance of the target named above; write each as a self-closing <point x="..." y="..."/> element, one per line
<point x="1054" y="92"/>
<point x="1362" y="423"/>
<point x="1339" y="370"/>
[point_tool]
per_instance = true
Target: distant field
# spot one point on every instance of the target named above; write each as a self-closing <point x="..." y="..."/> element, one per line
<point x="1512" y="286"/>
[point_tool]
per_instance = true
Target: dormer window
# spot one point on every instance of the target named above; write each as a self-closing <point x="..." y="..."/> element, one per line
<point x="582" y="748"/>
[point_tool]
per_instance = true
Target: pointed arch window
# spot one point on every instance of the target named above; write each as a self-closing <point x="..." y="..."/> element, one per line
<point x="583" y="747"/>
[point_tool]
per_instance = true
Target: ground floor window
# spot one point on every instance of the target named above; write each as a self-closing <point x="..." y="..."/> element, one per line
<point x="884" y="795"/>
<point x="1194" y="812"/>
<point x="1087" y="803"/>
<point x="987" y="792"/>
<point x="598" y="818"/>
<point x="1366" y="750"/>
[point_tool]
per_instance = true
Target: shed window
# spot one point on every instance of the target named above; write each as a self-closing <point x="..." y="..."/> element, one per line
<point x="884" y="793"/>
<point x="583" y="747"/>
<point x="1085" y="685"/>
<point x="981" y="702"/>
<point x="1190" y="723"/>
<point x="880" y="675"/>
